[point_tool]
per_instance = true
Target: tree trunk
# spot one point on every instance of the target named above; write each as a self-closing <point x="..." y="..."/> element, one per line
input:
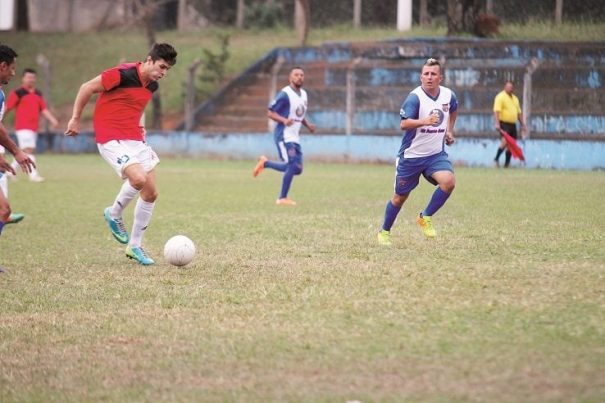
<point x="425" y="19"/>
<point x="239" y="19"/>
<point x="559" y="12"/>
<point x="302" y="12"/>
<point x="357" y="13"/>
<point x="181" y="23"/>
<point x="462" y="16"/>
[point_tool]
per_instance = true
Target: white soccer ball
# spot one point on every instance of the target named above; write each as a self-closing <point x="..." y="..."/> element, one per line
<point x="179" y="250"/>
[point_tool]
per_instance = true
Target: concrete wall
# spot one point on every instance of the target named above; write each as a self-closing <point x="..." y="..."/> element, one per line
<point x="549" y="154"/>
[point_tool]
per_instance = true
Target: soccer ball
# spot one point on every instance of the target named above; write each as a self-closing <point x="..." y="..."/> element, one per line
<point x="179" y="250"/>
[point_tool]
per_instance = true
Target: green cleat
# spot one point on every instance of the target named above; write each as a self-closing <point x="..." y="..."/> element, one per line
<point x="117" y="228"/>
<point x="15" y="218"/>
<point x="384" y="238"/>
<point x="138" y="254"/>
<point x="426" y="224"/>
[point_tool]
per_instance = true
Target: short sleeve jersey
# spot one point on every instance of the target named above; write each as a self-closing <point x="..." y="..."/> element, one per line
<point x="119" y="108"/>
<point x="27" y="104"/>
<point x="507" y="106"/>
<point x="289" y="104"/>
<point x="425" y="141"/>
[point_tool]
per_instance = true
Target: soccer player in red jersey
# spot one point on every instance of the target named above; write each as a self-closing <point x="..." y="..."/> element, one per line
<point x="28" y="103"/>
<point x="8" y="63"/>
<point x="124" y="92"/>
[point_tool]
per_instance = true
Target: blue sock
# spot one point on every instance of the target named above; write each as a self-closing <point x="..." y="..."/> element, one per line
<point x="287" y="181"/>
<point x="437" y="201"/>
<point x="278" y="166"/>
<point x="390" y="214"/>
<point x="1" y="226"/>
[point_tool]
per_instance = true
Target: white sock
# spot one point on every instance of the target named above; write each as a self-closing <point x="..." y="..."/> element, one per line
<point x="123" y="199"/>
<point x="4" y="185"/>
<point x="34" y="171"/>
<point x="142" y="217"/>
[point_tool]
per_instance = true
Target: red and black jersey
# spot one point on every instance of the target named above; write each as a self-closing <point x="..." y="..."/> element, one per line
<point x="119" y="108"/>
<point x="27" y="104"/>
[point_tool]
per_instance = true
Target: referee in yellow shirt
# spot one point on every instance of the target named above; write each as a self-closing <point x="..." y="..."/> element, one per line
<point x="507" y="110"/>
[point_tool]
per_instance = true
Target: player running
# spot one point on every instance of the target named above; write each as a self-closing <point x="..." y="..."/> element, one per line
<point x="428" y="116"/>
<point x="124" y="92"/>
<point x="288" y="110"/>
<point x="8" y="64"/>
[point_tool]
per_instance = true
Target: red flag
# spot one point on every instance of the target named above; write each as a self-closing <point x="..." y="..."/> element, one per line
<point x="513" y="147"/>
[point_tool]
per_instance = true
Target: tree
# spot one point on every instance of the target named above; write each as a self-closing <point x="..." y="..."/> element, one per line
<point x="462" y="16"/>
<point x="302" y="14"/>
<point x="241" y="10"/>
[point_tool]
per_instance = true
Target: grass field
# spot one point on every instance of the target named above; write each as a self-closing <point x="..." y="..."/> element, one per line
<point x="301" y="304"/>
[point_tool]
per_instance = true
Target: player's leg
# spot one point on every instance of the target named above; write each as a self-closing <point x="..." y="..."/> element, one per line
<point x="263" y="162"/>
<point x="14" y="217"/>
<point x="406" y="179"/>
<point x="27" y="142"/>
<point x="293" y="167"/>
<point x="5" y="211"/>
<point x="142" y="216"/>
<point x="501" y="149"/>
<point x="440" y="173"/>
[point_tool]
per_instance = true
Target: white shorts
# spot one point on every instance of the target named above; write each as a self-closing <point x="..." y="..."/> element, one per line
<point x="26" y="138"/>
<point x="2" y="150"/>
<point x="123" y="153"/>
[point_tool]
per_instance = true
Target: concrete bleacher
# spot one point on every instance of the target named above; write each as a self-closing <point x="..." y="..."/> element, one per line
<point x="568" y="87"/>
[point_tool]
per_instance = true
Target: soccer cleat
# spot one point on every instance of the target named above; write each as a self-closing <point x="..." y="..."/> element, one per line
<point x="116" y="226"/>
<point x="260" y="165"/>
<point x="138" y="254"/>
<point x="426" y="224"/>
<point x="285" y="202"/>
<point x="36" y="178"/>
<point x="384" y="238"/>
<point x="15" y="218"/>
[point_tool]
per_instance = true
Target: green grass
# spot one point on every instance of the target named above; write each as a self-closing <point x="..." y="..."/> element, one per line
<point x="79" y="57"/>
<point x="301" y="304"/>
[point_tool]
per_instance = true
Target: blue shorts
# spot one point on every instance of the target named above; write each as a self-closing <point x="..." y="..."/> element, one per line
<point x="409" y="170"/>
<point x="290" y="152"/>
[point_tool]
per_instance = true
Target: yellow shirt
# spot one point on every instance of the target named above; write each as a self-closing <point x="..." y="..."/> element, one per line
<point x="507" y="106"/>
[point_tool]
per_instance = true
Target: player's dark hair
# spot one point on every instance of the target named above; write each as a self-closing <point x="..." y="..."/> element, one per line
<point x="297" y="68"/>
<point x="29" y="70"/>
<point x="7" y="54"/>
<point x="163" y="51"/>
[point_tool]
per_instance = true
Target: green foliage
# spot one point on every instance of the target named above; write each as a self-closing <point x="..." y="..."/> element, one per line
<point x="213" y="67"/>
<point x="263" y="15"/>
<point x="301" y="304"/>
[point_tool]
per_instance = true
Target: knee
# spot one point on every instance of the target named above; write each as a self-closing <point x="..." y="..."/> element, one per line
<point x="448" y="185"/>
<point x="149" y="196"/>
<point x="138" y="181"/>
<point x="398" y="200"/>
<point x="298" y="169"/>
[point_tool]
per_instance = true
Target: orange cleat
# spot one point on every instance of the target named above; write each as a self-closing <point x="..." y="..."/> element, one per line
<point x="285" y="202"/>
<point x="260" y="165"/>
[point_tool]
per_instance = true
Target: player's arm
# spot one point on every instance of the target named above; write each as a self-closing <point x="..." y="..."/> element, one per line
<point x="50" y="117"/>
<point x="449" y="134"/>
<point x="497" y="110"/>
<point x="409" y="114"/>
<point x="23" y="159"/>
<point x="85" y="92"/>
<point x="281" y="103"/>
<point x="309" y="125"/>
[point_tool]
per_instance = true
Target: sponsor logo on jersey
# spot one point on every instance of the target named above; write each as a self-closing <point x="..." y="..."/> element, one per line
<point x="445" y="107"/>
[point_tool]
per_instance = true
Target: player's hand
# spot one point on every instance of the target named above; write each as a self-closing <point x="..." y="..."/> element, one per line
<point x="523" y="132"/>
<point x="449" y="138"/>
<point x="289" y="122"/>
<point x="5" y="166"/>
<point x="432" y="119"/>
<point x="311" y="127"/>
<point x="73" y="127"/>
<point x="24" y="160"/>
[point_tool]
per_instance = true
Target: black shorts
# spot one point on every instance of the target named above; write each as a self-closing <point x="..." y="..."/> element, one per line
<point x="510" y="128"/>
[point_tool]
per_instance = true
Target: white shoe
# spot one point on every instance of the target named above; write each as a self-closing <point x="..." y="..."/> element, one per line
<point x="36" y="178"/>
